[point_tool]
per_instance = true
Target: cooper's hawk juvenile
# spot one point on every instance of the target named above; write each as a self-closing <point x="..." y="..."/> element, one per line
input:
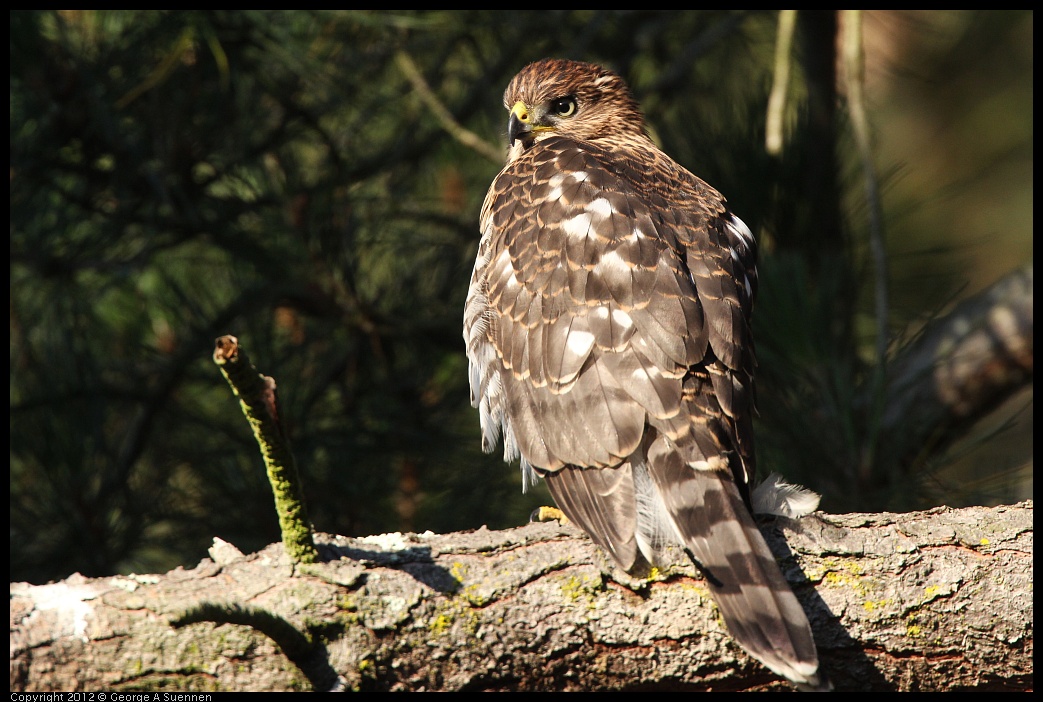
<point x="608" y="337"/>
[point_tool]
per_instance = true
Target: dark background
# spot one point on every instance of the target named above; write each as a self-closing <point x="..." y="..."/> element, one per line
<point x="176" y="176"/>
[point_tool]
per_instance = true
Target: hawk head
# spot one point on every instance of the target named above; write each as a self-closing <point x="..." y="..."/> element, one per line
<point x="571" y="98"/>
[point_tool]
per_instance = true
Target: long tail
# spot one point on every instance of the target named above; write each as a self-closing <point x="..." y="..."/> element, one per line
<point x="702" y="504"/>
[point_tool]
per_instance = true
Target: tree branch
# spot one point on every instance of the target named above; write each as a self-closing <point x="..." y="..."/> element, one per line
<point x="962" y="366"/>
<point x="774" y="130"/>
<point x="259" y="402"/>
<point x="935" y="600"/>
<point x="443" y="115"/>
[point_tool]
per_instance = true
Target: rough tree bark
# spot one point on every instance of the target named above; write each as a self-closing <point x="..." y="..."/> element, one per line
<point x="935" y="600"/>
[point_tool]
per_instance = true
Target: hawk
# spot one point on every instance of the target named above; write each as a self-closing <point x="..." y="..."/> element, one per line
<point x="607" y="327"/>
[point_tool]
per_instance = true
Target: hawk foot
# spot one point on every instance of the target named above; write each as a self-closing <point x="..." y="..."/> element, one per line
<point x="546" y="514"/>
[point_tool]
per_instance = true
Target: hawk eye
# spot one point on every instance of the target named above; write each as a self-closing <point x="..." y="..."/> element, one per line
<point x="564" y="107"/>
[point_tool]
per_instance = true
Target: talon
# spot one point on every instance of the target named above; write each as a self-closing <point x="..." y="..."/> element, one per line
<point x="546" y="514"/>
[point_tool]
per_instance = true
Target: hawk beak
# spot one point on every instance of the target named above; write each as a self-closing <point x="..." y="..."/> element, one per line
<point x="519" y="126"/>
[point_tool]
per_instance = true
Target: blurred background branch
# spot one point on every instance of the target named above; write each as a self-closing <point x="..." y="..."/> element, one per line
<point x="454" y="128"/>
<point x="277" y="175"/>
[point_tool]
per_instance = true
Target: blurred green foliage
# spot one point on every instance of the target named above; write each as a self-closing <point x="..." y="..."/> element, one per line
<point x="176" y="176"/>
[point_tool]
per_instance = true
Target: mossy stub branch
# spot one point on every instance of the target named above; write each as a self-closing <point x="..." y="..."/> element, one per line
<point x="258" y="399"/>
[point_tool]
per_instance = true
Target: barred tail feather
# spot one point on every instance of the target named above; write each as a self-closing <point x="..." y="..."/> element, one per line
<point x="757" y="604"/>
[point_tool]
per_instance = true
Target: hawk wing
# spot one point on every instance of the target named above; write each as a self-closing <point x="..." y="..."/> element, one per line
<point x="596" y="300"/>
<point x="607" y="330"/>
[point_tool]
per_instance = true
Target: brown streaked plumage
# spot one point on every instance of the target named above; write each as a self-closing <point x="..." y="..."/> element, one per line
<point x="608" y="336"/>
